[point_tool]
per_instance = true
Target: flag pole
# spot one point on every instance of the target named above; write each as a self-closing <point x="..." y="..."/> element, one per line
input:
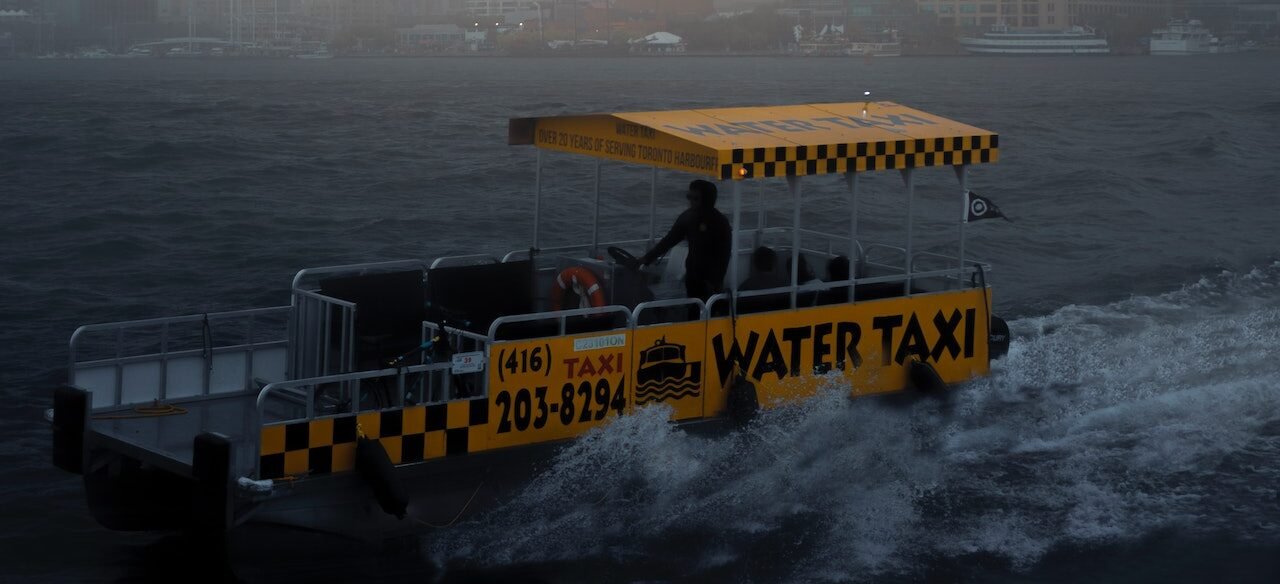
<point x="963" y="171"/>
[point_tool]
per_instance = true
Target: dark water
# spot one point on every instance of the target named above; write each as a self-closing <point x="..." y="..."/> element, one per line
<point x="1133" y="433"/>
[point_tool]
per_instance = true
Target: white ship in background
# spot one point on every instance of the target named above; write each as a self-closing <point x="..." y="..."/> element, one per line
<point x="1003" y="40"/>
<point x="1187" y="37"/>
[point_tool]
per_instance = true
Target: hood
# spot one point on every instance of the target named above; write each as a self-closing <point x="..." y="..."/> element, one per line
<point x="708" y="191"/>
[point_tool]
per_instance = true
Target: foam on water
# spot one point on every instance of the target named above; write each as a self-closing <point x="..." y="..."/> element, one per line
<point x="1103" y="424"/>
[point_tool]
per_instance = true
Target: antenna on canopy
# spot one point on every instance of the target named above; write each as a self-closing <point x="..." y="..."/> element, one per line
<point x="866" y="99"/>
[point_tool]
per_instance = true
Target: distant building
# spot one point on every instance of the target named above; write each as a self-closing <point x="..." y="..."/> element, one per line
<point x="1024" y="13"/>
<point x="1046" y="14"/>
<point x="1100" y="12"/>
<point x="432" y="36"/>
<point x="1257" y="20"/>
<point x="864" y="19"/>
<point x="96" y="14"/>
<point x="490" y="8"/>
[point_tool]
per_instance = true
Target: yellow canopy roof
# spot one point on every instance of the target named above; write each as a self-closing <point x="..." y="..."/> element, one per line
<point x="755" y="142"/>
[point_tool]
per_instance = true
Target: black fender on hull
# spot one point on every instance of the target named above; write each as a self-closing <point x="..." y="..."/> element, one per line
<point x="70" y="419"/>
<point x="924" y="378"/>
<point x="376" y="469"/>
<point x="742" y="403"/>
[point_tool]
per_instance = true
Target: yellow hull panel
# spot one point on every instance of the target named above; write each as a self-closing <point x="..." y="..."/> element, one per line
<point x="557" y="388"/>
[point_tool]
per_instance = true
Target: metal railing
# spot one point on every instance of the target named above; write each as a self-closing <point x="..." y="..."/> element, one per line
<point x="562" y="249"/>
<point x="794" y="293"/>
<point x="561" y="317"/>
<point x="870" y="254"/>
<point x="160" y="351"/>
<point x="303" y="276"/>
<point x="948" y="260"/>
<point x="458" y="341"/>
<point x="638" y="312"/>
<point x="316" y="319"/>
<point x="314" y="323"/>
<point x="463" y="260"/>
<point x="833" y="244"/>
<point x="831" y="240"/>
<point x="310" y="386"/>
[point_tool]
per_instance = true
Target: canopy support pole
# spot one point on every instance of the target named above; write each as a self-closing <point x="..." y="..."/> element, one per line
<point x="537" y="198"/>
<point x="760" y="218"/>
<point x="595" y="214"/>
<point x="851" y="179"/>
<point x="793" y="184"/>
<point x="962" y="173"/>
<point x="908" y="176"/>
<point x="653" y="205"/>
<point x="733" y="243"/>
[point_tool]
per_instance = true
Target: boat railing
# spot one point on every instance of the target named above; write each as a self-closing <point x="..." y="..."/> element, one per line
<point x="304" y="276"/>
<point x="797" y="296"/>
<point x="791" y="293"/>
<point x="668" y="316"/>
<point x="315" y="323"/>
<point x="566" y="249"/>
<point x="321" y="327"/>
<point x="178" y="356"/>
<point x="463" y="260"/>
<point x="827" y="245"/>
<point x="457" y="341"/>
<point x="873" y="252"/>
<point x="310" y="387"/>
<point x="561" y="318"/>
<point x="831" y="240"/>
<point x="946" y="262"/>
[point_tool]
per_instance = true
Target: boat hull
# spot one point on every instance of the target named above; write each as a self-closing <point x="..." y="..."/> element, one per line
<point x="978" y="46"/>
<point x="1177" y="48"/>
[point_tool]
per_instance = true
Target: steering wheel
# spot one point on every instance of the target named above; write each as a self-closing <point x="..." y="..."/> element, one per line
<point x="623" y="257"/>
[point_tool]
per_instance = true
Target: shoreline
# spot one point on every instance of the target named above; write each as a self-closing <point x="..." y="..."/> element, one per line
<point x="596" y="55"/>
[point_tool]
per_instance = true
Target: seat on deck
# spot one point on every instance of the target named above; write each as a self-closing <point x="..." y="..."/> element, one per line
<point x="472" y="297"/>
<point x="389" y="313"/>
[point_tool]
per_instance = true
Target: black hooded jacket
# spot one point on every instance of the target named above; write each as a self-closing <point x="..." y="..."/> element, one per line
<point x="709" y="236"/>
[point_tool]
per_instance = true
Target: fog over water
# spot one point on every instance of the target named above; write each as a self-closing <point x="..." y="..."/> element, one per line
<point x="1132" y="434"/>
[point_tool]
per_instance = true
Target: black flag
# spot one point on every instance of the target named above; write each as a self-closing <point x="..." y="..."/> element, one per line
<point x="981" y="207"/>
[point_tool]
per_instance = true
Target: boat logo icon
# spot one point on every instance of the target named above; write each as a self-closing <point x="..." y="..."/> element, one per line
<point x="664" y="374"/>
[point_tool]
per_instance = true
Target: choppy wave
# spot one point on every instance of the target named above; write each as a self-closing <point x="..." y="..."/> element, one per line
<point x="1103" y="424"/>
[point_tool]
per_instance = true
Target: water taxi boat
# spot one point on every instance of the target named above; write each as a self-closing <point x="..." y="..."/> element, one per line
<point x="390" y="396"/>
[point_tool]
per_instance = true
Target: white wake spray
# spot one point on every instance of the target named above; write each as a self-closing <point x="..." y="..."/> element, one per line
<point x="1104" y="423"/>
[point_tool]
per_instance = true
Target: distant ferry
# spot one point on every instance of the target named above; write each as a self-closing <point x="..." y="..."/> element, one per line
<point x="889" y="49"/>
<point x="1187" y="37"/>
<point x="1002" y="40"/>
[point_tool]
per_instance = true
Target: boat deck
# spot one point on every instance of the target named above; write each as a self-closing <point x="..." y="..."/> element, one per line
<point x="167" y="441"/>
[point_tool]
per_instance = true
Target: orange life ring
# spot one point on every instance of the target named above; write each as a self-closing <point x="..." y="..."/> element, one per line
<point x="581" y="281"/>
